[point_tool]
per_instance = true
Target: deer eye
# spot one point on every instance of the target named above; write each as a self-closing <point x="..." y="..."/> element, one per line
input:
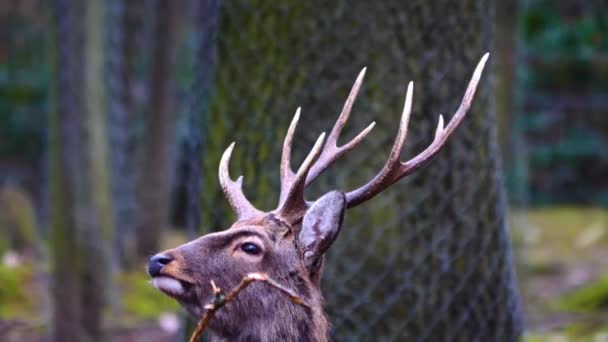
<point x="251" y="248"/>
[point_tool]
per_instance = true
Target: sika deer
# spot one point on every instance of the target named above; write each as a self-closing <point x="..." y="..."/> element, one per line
<point x="287" y="243"/>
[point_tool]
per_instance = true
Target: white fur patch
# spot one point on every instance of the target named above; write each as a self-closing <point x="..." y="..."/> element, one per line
<point x="169" y="285"/>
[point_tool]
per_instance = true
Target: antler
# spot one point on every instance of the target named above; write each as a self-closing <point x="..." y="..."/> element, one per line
<point x="331" y="152"/>
<point x="292" y="204"/>
<point x="291" y="199"/>
<point x="394" y="169"/>
<point x="234" y="191"/>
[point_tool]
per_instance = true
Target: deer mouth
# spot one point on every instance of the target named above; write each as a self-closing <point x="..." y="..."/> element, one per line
<point x="171" y="286"/>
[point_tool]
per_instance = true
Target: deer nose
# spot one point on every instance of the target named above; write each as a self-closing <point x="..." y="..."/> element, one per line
<point x="157" y="262"/>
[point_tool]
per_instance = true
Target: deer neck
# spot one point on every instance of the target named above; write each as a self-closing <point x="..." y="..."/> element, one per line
<point x="280" y="330"/>
<point x="287" y="322"/>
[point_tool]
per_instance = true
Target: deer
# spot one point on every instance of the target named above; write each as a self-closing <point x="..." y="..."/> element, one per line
<point x="288" y="243"/>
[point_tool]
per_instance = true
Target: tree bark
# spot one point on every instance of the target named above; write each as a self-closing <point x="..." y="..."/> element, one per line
<point x="96" y="213"/>
<point x="158" y="150"/>
<point x="63" y="232"/>
<point x="80" y="187"/>
<point x="125" y="26"/>
<point x="506" y="47"/>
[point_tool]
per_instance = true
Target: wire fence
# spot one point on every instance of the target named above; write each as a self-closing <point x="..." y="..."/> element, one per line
<point x="429" y="259"/>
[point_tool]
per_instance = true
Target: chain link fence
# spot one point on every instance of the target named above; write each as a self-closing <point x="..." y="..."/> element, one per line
<point x="428" y="260"/>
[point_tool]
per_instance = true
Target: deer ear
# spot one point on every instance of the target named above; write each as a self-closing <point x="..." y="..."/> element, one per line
<point x="320" y="227"/>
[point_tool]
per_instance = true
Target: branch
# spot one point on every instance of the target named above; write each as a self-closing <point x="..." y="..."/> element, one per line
<point x="220" y="299"/>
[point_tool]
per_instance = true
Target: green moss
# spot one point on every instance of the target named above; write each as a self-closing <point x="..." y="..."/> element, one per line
<point x="18" y="217"/>
<point x="14" y="298"/>
<point x="589" y="298"/>
<point x="141" y="300"/>
<point x="578" y="332"/>
<point x="534" y="338"/>
<point x="4" y="245"/>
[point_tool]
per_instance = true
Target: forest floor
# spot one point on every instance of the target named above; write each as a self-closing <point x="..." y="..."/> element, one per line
<point x="562" y="256"/>
<point x="139" y="313"/>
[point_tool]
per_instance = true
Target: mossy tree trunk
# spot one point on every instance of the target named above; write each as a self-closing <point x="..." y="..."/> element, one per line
<point x="125" y="25"/>
<point x="63" y="233"/>
<point x="505" y="56"/>
<point x="158" y="146"/>
<point x="80" y="184"/>
<point x="96" y="219"/>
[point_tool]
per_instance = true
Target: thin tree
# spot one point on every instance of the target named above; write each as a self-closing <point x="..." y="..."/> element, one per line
<point x="158" y="150"/>
<point x="97" y="212"/>
<point x="63" y="232"/>
<point x="80" y="188"/>
<point x="125" y="49"/>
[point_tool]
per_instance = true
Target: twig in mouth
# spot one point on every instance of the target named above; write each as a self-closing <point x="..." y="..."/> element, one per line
<point x="220" y="299"/>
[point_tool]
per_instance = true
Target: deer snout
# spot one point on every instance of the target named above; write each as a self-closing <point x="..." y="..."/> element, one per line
<point x="156" y="264"/>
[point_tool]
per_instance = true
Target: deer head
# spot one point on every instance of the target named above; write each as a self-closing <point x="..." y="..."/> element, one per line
<point x="287" y="243"/>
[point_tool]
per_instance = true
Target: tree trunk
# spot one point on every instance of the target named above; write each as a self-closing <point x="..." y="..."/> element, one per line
<point x="96" y="217"/>
<point x="80" y="189"/>
<point x="506" y="47"/>
<point x="125" y="26"/>
<point x="158" y="150"/>
<point x="63" y="232"/>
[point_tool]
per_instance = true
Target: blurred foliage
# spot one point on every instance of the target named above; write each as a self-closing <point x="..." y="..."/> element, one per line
<point x="142" y="301"/>
<point x="568" y="28"/>
<point x="590" y="297"/>
<point x="562" y="271"/>
<point x="562" y="70"/>
<point x="23" y="90"/>
<point x="17" y="218"/>
<point x="561" y="239"/>
<point x="572" y="333"/>
<point x="15" y="301"/>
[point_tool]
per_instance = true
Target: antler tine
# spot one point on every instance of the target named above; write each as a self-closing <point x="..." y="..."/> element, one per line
<point x="294" y="204"/>
<point x="384" y="177"/>
<point x="393" y="159"/>
<point x="287" y="174"/>
<point x="233" y="190"/>
<point x="331" y="152"/>
<point x="442" y="134"/>
<point x="393" y="169"/>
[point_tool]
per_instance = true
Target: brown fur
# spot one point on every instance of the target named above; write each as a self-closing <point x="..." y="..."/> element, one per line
<point x="259" y="313"/>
